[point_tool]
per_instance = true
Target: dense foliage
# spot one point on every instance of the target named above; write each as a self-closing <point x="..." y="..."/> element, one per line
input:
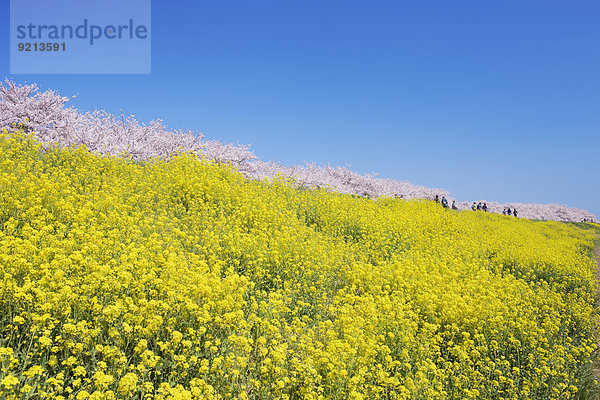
<point x="181" y="279"/>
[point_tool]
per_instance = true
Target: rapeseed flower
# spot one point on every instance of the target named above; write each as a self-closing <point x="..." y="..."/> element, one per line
<point x="178" y="278"/>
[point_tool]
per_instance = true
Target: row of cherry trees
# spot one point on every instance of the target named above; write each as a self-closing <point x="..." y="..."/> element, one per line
<point x="47" y="115"/>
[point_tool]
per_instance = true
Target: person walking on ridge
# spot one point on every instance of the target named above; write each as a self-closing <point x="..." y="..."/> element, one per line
<point x="454" y="205"/>
<point x="515" y="212"/>
<point x="444" y="202"/>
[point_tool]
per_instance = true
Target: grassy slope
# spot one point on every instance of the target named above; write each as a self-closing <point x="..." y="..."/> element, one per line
<point x="181" y="277"/>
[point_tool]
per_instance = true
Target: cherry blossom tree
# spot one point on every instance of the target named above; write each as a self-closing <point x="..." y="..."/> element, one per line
<point x="47" y="116"/>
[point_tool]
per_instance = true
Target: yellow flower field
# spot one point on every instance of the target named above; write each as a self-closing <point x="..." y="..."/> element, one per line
<point x="180" y="279"/>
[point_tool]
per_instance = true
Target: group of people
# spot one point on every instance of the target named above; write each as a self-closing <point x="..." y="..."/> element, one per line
<point x="444" y="202"/>
<point x="475" y="206"/>
<point x="479" y="207"/>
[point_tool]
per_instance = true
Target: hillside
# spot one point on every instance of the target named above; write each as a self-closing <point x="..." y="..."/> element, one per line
<point x="180" y="279"/>
<point x="46" y="114"/>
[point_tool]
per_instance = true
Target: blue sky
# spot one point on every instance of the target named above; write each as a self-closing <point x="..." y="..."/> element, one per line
<point x="490" y="100"/>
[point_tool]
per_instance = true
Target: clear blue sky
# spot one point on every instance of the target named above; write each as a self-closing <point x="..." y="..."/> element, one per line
<point x="494" y="100"/>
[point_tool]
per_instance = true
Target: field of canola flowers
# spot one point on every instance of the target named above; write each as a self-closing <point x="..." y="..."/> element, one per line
<point x="180" y="279"/>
